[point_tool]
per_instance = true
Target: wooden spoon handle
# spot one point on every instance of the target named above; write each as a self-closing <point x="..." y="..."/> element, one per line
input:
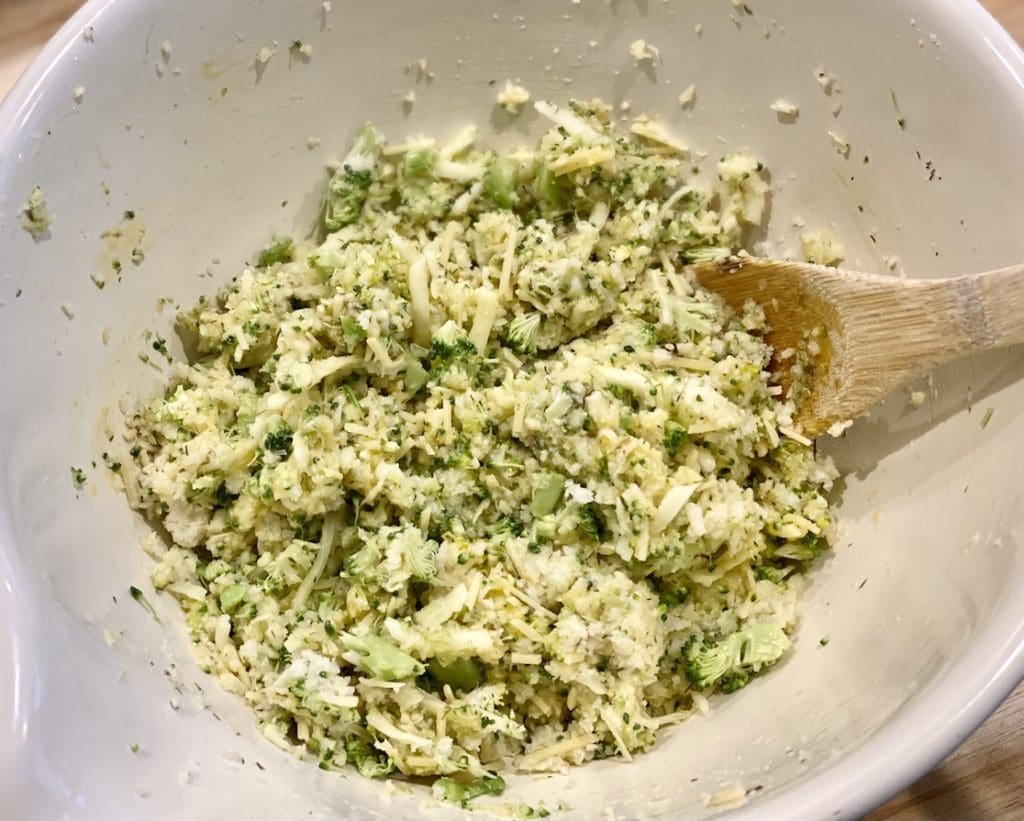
<point x="993" y="306"/>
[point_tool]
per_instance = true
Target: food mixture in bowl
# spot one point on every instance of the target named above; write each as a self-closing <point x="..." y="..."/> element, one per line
<point x="481" y="481"/>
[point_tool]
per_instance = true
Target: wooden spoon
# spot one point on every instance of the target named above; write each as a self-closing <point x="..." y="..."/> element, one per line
<point x="873" y="332"/>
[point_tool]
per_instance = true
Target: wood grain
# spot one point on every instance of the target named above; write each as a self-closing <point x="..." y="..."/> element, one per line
<point x="984" y="779"/>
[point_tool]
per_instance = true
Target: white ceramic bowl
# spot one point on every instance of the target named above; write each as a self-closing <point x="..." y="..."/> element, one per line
<point x="923" y="598"/>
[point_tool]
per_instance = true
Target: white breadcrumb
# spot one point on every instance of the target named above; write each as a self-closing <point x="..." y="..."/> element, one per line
<point x="643" y="52"/>
<point x="728" y="797"/>
<point x="785" y="108"/>
<point x="916" y="399"/>
<point x="822" y="247"/>
<point x="656" y="133"/>
<point x="264" y="55"/>
<point x="79" y="93"/>
<point x="35" y="216"/>
<point x="513" y="97"/>
<point x="837" y="429"/>
<point x="825" y="79"/>
<point x="312" y="142"/>
<point x="689" y="95"/>
<point x="839" y="144"/>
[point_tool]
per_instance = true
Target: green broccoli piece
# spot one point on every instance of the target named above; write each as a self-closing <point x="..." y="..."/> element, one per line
<point x="364" y="564"/>
<point x="547" y="490"/>
<point x="509" y="525"/>
<point x="231" y="596"/>
<point x="280" y="250"/>
<point x="279" y="441"/>
<point x="419" y="555"/>
<point x="380" y="658"/>
<point x="450" y="342"/>
<point x="461" y="674"/>
<point x="705" y="253"/>
<point x="522" y="331"/>
<point x="78" y="478"/>
<point x="548" y="189"/>
<point x="730" y="661"/>
<point x="500" y="182"/>
<point x="350" y="185"/>
<point x="648" y="335"/>
<point x="369" y="762"/>
<point x="792" y="460"/>
<point x="352" y="331"/>
<point x="462" y="792"/>
<point x="765" y="572"/>
<point x="416" y="376"/>
<point x="592" y="523"/>
<point x="419" y="162"/>
<point x="675" y="437"/>
<point x="805" y="551"/>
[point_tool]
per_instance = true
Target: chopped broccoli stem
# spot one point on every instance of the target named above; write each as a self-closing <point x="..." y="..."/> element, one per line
<point x="419" y="162"/>
<point x="461" y="674"/>
<point x="381" y="659"/>
<point x="231" y="597"/>
<point x="500" y="182"/>
<point x="547" y="491"/>
<point x="352" y="331"/>
<point x="416" y="376"/>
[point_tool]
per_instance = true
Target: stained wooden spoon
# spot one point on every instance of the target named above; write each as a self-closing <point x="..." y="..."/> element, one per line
<point x="868" y="333"/>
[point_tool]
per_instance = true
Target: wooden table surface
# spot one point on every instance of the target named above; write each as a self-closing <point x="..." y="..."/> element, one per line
<point x="984" y="779"/>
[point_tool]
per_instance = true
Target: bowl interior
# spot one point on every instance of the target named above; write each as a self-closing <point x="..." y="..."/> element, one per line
<point x="923" y="598"/>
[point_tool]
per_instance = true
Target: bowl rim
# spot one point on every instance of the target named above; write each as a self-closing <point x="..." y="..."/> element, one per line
<point x="909" y="745"/>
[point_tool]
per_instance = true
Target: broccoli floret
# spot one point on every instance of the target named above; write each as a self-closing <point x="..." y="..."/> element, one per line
<point x="279" y="441"/>
<point x="280" y="250"/>
<point x="370" y="763"/>
<point x="380" y="658"/>
<point x="730" y="661"/>
<point x="592" y="523"/>
<point x="450" y="342"/>
<point x="766" y="572"/>
<point x="348" y="188"/>
<point x="500" y="182"/>
<point x="462" y="792"/>
<point x="675" y="437"/>
<point x="521" y="335"/>
<point x="509" y="525"/>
